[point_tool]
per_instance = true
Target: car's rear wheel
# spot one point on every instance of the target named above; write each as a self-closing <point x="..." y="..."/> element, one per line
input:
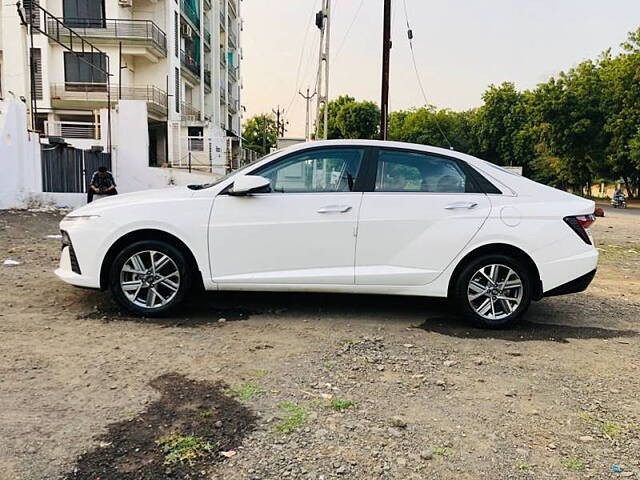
<point x="493" y="291"/>
<point x="150" y="277"/>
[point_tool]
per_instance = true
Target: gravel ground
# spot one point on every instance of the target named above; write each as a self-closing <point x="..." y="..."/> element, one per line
<point x="315" y="386"/>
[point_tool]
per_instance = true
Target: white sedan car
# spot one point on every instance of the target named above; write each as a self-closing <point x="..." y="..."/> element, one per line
<point x="341" y="216"/>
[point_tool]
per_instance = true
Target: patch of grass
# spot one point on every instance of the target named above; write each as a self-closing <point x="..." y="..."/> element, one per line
<point x="341" y="404"/>
<point x="206" y="414"/>
<point x="180" y="449"/>
<point x="441" y="451"/>
<point x="587" y="417"/>
<point x="347" y="341"/>
<point x="524" y="466"/>
<point x="245" y="391"/>
<point x="259" y="373"/>
<point x="330" y="364"/>
<point x="612" y="429"/>
<point x="572" y="463"/>
<point x="296" y="418"/>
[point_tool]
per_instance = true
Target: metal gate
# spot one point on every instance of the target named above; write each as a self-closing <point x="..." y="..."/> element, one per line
<point x="66" y="169"/>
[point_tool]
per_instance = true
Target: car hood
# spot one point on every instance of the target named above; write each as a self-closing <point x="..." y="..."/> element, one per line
<point x="137" y="198"/>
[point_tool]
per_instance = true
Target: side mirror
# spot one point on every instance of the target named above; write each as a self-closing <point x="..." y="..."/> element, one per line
<point x="247" y="184"/>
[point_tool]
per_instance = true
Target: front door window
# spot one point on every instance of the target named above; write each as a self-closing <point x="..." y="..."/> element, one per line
<point x="318" y="171"/>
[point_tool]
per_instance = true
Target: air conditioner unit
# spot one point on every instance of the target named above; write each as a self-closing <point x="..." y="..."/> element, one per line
<point x="186" y="30"/>
<point x="125" y="3"/>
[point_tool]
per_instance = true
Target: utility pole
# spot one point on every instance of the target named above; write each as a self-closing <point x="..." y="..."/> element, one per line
<point x="308" y="98"/>
<point x="323" y="22"/>
<point x="280" y="126"/>
<point x="386" y="53"/>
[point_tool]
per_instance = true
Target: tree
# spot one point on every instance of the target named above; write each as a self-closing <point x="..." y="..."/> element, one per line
<point x="358" y="120"/>
<point x="260" y="133"/>
<point x="348" y="118"/>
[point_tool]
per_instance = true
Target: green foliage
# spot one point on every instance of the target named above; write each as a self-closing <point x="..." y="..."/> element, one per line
<point x="245" y="391"/>
<point x="348" y="118"/>
<point x="260" y="133"/>
<point x="180" y="449"/>
<point x="341" y="404"/>
<point x="295" y="419"/>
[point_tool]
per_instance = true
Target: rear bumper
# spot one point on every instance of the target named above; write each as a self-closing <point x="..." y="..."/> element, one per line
<point x="573" y="286"/>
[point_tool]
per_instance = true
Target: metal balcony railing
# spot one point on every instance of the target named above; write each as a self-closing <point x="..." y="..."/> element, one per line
<point x="223" y="20"/>
<point x="223" y="58"/>
<point x="207" y="36"/>
<point x="134" y="30"/>
<point x="207" y="75"/>
<point x="207" y="4"/>
<point x="87" y="130"/>
<point x="223" y="95"/>
<point x="190" y="63"/>
<point x="189" y="113"/>
<point x="233" y="73"/>
<point x="232" y="7"/>
<point x="97" y="93"/>
<point x="191" y="13"/>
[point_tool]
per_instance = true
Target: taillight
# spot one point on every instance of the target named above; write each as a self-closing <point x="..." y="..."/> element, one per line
<point x="586" y="220"/>
<point x="579" y="224"/>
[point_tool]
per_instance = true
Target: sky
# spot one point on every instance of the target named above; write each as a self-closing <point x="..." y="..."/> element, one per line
<point x="461" y="47"/>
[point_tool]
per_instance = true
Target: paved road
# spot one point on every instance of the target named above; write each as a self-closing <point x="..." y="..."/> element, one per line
<point x="631" y="210"/>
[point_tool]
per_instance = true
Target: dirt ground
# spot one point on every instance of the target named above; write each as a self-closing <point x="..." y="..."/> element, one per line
<point x="270" y="386"/>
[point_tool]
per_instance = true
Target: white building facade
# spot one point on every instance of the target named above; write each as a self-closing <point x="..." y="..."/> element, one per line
<point x="181" y="57"/>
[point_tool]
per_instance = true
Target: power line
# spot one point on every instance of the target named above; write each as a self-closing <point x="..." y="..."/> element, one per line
<point x="415" y="67"/>
<point x="302" y="49"/>
<point x="346" y="35"/>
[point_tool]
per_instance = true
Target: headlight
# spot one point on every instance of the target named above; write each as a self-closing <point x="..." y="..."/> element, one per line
<point x="79" y="218"/>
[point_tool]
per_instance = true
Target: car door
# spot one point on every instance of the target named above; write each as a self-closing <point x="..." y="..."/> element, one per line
<point x="302" y="232"/>
<point x="423" y="210"/>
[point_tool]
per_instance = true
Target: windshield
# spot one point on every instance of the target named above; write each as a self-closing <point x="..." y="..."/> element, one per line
<point x="230" y="174"/>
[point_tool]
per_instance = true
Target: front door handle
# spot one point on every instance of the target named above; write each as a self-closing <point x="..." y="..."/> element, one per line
<point x="334" y="209"/>
<point x="459" y="205"/>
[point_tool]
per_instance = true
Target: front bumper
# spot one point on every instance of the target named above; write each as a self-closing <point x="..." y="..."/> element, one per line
<point x="65" y="272"/>
<point x="576" y="285"/>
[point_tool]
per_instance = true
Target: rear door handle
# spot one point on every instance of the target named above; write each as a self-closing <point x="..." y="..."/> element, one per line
<point x="459" y="205"/>
<point x="334" y="209"/>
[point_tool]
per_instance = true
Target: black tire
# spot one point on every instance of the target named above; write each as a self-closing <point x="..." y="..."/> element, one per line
<point x="174" y="297"/>
<point x="459" y="294"/>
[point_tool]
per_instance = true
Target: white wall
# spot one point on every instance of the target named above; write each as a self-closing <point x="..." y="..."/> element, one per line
<point x="19" y="155"/>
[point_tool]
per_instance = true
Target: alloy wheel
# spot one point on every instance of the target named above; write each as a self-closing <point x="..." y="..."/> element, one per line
<point x="150" y="279"/>
<point x="495" y="291"/>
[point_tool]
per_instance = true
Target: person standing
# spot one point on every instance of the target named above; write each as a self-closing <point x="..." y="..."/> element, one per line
<point x="102" y="183"/>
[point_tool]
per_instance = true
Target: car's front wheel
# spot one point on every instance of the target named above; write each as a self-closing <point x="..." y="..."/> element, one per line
<point x="493" y="291"/>
<point x="150" y="277"/>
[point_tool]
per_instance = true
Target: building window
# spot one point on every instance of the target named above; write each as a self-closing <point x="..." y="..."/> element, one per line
<point x="85" y="71"/>
<point x="176" y="33"/>
<point x="177" y="92"/>
<point x="36" y="58"/>
<point x="84" y="13"/>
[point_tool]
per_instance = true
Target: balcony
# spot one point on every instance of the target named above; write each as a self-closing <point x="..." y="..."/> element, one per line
<point x="233" y="105"/>
<point x="223" y="95"/>
<point x="83" y="95"/>
<point x="223" y="20"/>
<point x="138" y="37"/>
<point x="233" y="39"/>
<point x="190" y="13"/>
<point x="232" y="7"/>
<point x="223" y="58"/>
<point x="189" y="113"/>
<point x="88" y="130"/>
<point x="207" y="4"/>
<point x="207" y="77"/>
<point x="233" y="74"/>
<point x="191" y="64"/>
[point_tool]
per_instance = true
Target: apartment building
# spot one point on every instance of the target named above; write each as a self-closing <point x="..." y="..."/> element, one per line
<point x="181" y="57"/>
